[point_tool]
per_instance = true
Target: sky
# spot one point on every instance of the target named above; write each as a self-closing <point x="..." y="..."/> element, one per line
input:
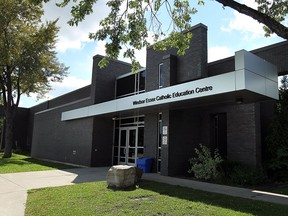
<point x="228" y="32"/>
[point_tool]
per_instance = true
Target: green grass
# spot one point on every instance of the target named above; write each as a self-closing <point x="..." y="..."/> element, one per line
<point x="150" y="198"/>
<point x="24" y="163"/>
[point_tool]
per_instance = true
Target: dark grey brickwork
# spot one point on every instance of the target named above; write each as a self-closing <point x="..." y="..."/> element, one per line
<point x="243" y="134"/>
<point x="170" y="70"/>
<point x="275" y="54"/>
<point x="190" y="127"/>
<point x="102" y="142"/>
<point x="191" y="66"/>
<point x="20" y="129"/>
<point x="151" y="137"/>
<point x="89" y="141"/>
<point x="65" y="141"/>
<point x="165" y="153"/>
<point x="103" y="80"/>
<point x="85" y="141"/>
<point x="70" y="97"/>
<point x="185" y="132"/>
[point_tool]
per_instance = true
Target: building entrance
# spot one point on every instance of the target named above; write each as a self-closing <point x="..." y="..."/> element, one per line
<point x="128" y="144"/>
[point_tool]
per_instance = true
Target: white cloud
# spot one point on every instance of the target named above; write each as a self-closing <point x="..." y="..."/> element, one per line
<point x="73" y="37"/>
<point x="100" y="48"/>
<point x="218" y="52"/>
<point x="71" y="83"/>
<point x="247" y="26"/>
<point x="139" y="54"/>
<point x="59" y="88"/>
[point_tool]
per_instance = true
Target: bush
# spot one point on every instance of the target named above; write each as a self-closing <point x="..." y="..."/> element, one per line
<point x="240" y="174"/>
<point x="205" y="165"/>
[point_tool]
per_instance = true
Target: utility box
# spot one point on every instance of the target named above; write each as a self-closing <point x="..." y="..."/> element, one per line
<point x="145" y="163"/>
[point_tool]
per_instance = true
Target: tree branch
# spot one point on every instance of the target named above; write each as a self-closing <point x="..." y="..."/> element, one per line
<point x="272" y="24"/>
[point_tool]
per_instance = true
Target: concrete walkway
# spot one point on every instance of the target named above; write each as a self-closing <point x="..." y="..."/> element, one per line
<point x="221" y="189"/>
<point x="14" y="186"/>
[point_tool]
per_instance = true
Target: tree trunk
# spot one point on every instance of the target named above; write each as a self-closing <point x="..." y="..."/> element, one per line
<point x="8" y="133"/>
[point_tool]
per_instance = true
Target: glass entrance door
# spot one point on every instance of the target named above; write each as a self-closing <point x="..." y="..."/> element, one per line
<point x="130" y="145"/>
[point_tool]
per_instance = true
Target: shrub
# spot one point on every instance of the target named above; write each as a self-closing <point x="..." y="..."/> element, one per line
<point x="240" y="174"/>
<point x="205" y="165"/>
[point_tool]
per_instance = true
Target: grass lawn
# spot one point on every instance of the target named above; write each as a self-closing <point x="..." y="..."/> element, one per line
<point x="150" y="198"/>
<point x="24" y="163"/>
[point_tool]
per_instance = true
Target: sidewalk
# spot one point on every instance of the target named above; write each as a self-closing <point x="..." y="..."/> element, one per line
<point x="221" y="189"/>
<point x="14" y="186"/>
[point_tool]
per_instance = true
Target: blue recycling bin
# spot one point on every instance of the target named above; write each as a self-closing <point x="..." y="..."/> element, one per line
<point x="145" y="163"/>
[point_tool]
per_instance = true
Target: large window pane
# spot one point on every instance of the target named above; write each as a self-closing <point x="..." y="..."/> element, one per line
<point x="161" y="77"/>
<point x="142" y="80"/>
<point x="125" y="85"/>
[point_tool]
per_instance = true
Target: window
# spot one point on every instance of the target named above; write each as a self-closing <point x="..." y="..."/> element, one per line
<point x="161" y="78"/>
<point x="130" y="84"/>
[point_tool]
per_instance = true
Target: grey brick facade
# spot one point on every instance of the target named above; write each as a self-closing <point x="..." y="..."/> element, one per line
<point x="89" y="141"/>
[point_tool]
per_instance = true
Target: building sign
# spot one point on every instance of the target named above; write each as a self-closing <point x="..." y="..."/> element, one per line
<point x="252" y="76"/>
<point x="165" y="130"/>
<point x="164" y="140"/>
<point x="173" y="95"/>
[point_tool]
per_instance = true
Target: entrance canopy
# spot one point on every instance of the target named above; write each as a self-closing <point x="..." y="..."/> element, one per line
<point x="253" y="80"/>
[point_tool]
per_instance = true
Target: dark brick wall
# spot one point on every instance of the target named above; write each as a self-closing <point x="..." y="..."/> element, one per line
<point x="170" y="70"/>
<point x="70" y="97"/>
<point x="102" y="142"/>
<point x="243" y="134"/>
<point x="190" y="127"/>
<point x="275" y="54"/>
<point x="185" y="136"/>
<point x="191" y="66"/>
<point x="165" y="153"/>
<point x="103" y="80"/>
<point x="221" y="66"/>
<point x="20" y="129"/>
<point x="86" y="141"/>
<point x="65" y="141"/>
<point x="151" y="137"/>
<point x="267" y="113"/>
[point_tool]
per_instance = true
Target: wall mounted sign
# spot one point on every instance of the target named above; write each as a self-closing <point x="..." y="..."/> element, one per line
<point x="252" y="74"/>
<point x="164" y="140"/>
<point x="165" y="130"/>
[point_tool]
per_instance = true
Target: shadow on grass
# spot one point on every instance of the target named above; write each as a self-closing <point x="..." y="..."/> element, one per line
<point x="25" y="160"/>
<point x="228" y="202"/>
<point x="48" y="164"/>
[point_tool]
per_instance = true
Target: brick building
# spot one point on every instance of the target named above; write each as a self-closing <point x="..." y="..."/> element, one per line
<point x="163" y="111"/>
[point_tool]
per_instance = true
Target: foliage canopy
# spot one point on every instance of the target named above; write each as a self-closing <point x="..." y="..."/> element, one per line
<point x="130" y="23"/>
<point x="28" y="62"/>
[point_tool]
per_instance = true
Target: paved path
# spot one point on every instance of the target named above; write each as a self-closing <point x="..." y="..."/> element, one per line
<point x="14" y="186"/>
<point x="222" y="189"/>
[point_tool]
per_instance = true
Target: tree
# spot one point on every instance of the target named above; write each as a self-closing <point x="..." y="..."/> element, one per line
<point x="28" y="61"/>
<point x="277" y="138"/>
<point x="130" y="26"/>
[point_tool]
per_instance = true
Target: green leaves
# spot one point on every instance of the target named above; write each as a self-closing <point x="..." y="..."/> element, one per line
<point x="274" y="9"/>
<point x="27" y="60"/>
<point x="205" y="165"/>
<point x="127" y="25"/>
